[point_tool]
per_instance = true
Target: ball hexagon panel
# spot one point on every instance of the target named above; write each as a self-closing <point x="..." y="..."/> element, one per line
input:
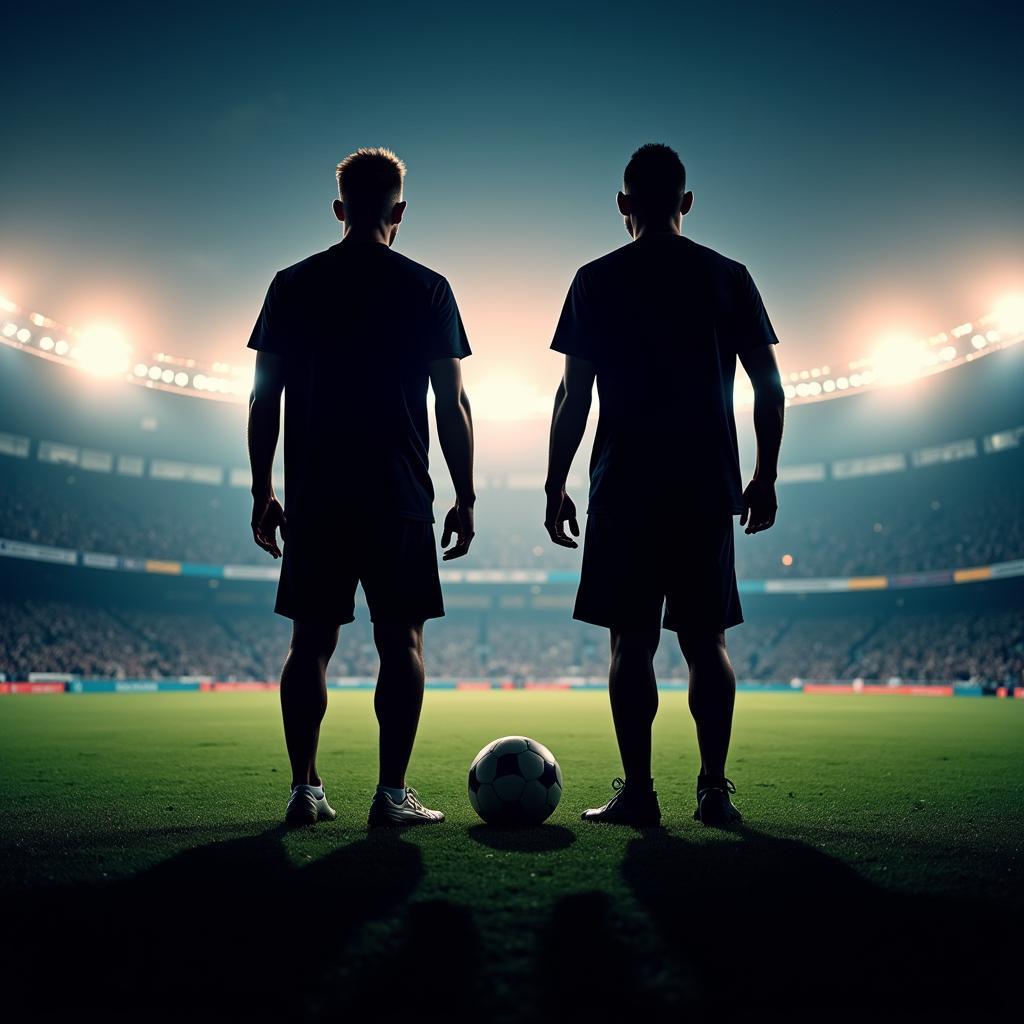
<point x="554" y="795"/>
<point x="487" y="804"/>
<point x="510" y="745"/>
<point x="483" y="753"/>
<point x="531" y="765"/>
<point x="509" y="787"/>
<point x="485" y="769"/>
<point x="541" y="749"/>
<point x="534" y="801"/>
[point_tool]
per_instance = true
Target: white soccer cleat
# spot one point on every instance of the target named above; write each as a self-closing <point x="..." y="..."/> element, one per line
<point x="307" y="805"/>
<point x="385" y="811"/>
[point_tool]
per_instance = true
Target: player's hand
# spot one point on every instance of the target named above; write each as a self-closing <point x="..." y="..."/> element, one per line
<point x="561" y="510"/>
<point x="759" y="506"/>
<point x="459" y="522"/>
<point x="267" y="516"/>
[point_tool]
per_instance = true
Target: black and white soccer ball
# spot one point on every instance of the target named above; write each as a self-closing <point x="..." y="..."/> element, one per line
<point x="514" y="781"/>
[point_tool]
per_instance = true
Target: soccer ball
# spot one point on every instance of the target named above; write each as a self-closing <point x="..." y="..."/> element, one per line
<point x="514" y="781"/>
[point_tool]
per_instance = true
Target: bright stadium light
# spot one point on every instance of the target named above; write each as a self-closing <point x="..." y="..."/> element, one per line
<point x="46" y="343"/>
<point x="181" y="378"/>
<point x="10" y="329"/>
<point x="141" y="369"/>
<point x="24" y="335"/>
<point x="1009" y="313"/>
<point x="898" y="358"/>
<point x="61" y="348"/>
<point x="101" y="350"/>
<point x="167" y="376"/>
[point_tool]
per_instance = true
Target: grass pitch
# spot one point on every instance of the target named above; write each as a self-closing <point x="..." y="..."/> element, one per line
<point x="146" y="876"/>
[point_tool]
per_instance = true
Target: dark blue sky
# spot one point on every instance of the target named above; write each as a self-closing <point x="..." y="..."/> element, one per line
<point x="866" y="164"/>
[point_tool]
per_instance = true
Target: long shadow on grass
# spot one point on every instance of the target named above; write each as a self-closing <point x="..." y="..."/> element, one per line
<point x="767" y="926"/>
<point x="231" y="930"/>
<point x="540" y="839"/>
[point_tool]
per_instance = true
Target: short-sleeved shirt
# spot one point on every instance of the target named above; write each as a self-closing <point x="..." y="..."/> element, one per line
<point x="358" y="326"/>
<point x="663" y="320"/>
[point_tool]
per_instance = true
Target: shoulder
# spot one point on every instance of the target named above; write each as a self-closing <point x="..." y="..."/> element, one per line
<point x="717" y="261"/>
<point x="609" y="263"/>
<point x="429" y="279"/>
<point x="305" y="269"/>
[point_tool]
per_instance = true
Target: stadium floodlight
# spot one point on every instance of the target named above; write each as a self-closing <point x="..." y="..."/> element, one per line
<point x="46" y="343"/>
<point x="61" y="348"/>
<point x="102" y="351"/>
<point x="10" y="329"/>
<point x="154" y="373"/>
<point x="24" y="335"/>
<point x="979" y="341"/>
<point x="181" y="378"/>
<point x="141" y="369"/>
<point x="828" y="386"/>
<point x="167" y="376"/>
<point x="899" y="358"/>
<point x="842" y="383"/>
<point x="1009" y="314"/>
<point x="7" y="305"/>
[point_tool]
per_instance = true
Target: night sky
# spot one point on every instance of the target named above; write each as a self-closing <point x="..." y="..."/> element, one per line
<point x="159" y="165"/>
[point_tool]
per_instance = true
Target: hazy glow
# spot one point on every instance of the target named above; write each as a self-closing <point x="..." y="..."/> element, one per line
<point x="1009" y="313"/>
<point x="103" y="351"/>
<point x="508" y="398"/>
<point x="898" y="358"/>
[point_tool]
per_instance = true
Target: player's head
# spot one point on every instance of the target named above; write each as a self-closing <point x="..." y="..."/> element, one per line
<point x="653" y="187"/>
<point x="370" y="190"/>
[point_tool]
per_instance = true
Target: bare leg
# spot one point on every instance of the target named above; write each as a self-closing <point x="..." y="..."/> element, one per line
<point x="634" y="698"/>
<point x="399" y="697"/>
<point x="712" y="696"/>
<point x="304" y="696"/>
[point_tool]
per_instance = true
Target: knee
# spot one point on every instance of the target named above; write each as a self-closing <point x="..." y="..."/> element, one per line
<point x="313" y="643"/>
<point x="700" y="648"/>
<point x="398" y="641"/>
<point x="633" y="647"/>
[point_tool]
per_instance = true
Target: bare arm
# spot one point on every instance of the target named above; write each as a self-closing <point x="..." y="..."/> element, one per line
<point x="568" y="423"/>
<point x="264" y="429"/>
<point x="759" y="497"/>
<point x="455" y="432"/>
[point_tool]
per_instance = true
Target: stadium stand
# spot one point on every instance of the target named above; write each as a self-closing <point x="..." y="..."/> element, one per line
<point x="123" y="642"/>
<point x="885" y="488"/>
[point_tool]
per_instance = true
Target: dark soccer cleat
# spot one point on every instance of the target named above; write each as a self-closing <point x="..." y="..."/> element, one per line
<point x="307" y="805"/>
<point x="714" y="808"/>
<point x="638" y="808"/>
<point x="385" y="811"/>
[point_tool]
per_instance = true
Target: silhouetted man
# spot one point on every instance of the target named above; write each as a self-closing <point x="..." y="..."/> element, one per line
<point x="351" y="336"/>
<point x="659" y="324"/>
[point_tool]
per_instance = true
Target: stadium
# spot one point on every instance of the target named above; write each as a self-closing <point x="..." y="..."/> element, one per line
<point x="167" y="849"/>
<point x="897" y="563"/>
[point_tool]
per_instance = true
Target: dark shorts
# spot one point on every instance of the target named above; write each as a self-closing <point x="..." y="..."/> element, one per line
<point x="689" y="570"/>
<point x="396" y="562"/>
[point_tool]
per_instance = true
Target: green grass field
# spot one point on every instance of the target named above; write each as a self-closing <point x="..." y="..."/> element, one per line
<point x="145" y="874"/>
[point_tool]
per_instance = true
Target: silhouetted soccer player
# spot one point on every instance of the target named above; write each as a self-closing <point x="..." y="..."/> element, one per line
<point x="351" y="336"/>
<point x="659" y="324"/>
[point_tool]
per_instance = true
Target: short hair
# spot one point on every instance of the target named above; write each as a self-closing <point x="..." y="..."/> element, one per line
<point x="370" y="180"/>
<point x="656" y="179"/>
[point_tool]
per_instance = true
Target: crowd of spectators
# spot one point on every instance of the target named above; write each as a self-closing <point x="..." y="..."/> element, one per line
<point x="127" y="642"/>
<point x="943" y="517"/>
